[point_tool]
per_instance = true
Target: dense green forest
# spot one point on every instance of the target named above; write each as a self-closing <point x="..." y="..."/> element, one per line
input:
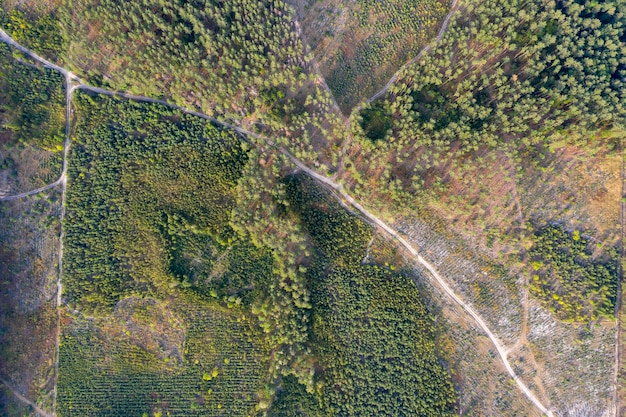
<point x="208" y="215"/>
<point x="203" y="275"/>
<point x="370" y="330"/>
<point x="36" y="29"/>
<point x="520" y="78"/>
<point x="125" y="365"/>
<point x="32" y="102"/>
<point x="224" y="58"/>
<point x="543" y="72"/>
<point x="567" y="277"/>
<point x="144" y="173"/>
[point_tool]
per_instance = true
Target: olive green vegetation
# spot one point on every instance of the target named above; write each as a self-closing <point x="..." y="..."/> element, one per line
<point x="40" y="32"/>
<point x="293" y="400"/>
<point x="219" y="371"/>
<point x="32" y="103"/>
<point x="370" y="331"/>
<point x="148" y="211"/>
<point x="223" y="57"/>
<point x="144" y="173"/>
<point x="524" y="78"/>
<point x="166" y="205"/>
<point x="532" y="71"/>
<point x="151" y="209"/>
<point x="233" y="61"/>
<point x="569" y="280"/>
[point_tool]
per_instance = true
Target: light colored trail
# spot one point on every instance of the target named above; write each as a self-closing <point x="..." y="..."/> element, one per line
<point x="427" y="48"/>
<point x="68" y="141"/>
<point x="7" y="39"/>
<point x="440" y="280"/>
<point x="337" y="187"/>
<point x="24" y="399"/>
<point x="33" y="192"/>
<point x="69" y="77"/>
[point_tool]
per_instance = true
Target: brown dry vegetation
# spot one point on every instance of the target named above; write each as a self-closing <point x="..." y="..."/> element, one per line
<point x="33" y="168"/>
<point x="34" y="7"/>
<point x="28" y="317"/>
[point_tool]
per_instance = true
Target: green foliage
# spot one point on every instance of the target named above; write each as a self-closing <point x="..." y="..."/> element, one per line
<point x="568" y="279"/>
<point x="338" y="234"/>
<point x="162" y="180"/>
<point x="32" y="102"/>
<point x="376" y="340"/>
<point x="284" y="311"/>
<point x="512" y="70"/>
<point x="375" y="121"/>
<point x="41" y="33"/>
<point x="379" y="37"/>
<point x="370" y="331"/>
<point x="293" y="401"/>
<point x="160" y="200"/>
<point x="103" y="375"/>
<point x="525" y="78"/>
<point x="216" y="56"/>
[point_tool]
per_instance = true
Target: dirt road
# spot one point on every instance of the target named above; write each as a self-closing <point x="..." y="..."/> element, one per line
<point x="24" y="399"/>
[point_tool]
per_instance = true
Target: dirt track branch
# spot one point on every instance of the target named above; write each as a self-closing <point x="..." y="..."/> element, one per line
<point x="24" y="399"/>
<point x="33" y="192"/>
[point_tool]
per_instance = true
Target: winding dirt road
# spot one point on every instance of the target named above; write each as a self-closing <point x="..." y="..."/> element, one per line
<point x="24" y="399"/>
<point x="440" y="280"/>
<point x="343" y="196"/>
<point x="33" y="192"/>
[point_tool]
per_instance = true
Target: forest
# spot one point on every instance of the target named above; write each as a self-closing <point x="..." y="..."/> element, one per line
<point x="194" y="196"/>
<point x="124" y="365"/>
<point x="361" y="44"/>
<point x="32" y="102"/>
<point x="370" y="330"/>
<point x="200" y="257"/>
<point x="145" y="173"/>
<point x="39" y="31"/>
<point x="240" y="50"/>
<point x="508" y="80"/>
<point x="569" y="279"/>
<point x="529" y="71"/>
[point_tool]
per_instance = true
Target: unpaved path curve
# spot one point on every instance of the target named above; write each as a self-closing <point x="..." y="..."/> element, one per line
<point x="315" y="175"/>
<point x="33" y="192"/>
<point x="7" y="39"/>
<point x="24" y="399"/>
<point x="440" y="280"/>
